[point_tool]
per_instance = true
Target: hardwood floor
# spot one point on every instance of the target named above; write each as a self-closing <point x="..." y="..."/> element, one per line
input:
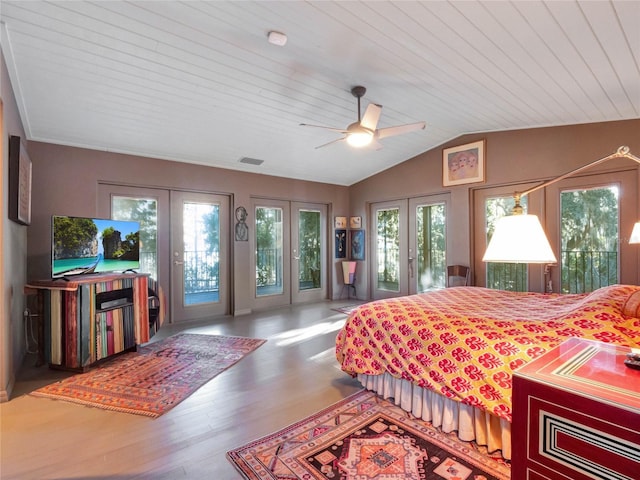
<point x="291" y="376"/>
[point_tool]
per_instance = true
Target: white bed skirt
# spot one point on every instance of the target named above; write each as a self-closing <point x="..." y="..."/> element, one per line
<point x="449" y="415"/>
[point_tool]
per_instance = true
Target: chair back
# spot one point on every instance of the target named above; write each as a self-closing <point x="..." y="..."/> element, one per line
<point x="458" y="275"/>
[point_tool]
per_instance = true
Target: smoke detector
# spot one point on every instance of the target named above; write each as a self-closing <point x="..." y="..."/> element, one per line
<point x="277" y="38"/>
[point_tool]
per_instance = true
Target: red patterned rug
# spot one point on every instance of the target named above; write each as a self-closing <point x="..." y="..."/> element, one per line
<point x="156" y="377"/>
<point x="365" y="437"/>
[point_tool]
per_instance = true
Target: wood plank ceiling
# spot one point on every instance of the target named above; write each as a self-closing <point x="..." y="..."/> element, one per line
<point x="198" y="82"/>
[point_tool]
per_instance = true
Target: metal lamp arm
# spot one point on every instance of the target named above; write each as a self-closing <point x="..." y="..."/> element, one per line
<point x="622" y="152"/>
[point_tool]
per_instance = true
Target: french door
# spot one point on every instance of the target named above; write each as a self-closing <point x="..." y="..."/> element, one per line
<point x="409" y="242"/>
<point x="199" y="255"/>
<point x="309" y="252"/>
<point x="290" y="252"/>
<point x="150" y="207"/>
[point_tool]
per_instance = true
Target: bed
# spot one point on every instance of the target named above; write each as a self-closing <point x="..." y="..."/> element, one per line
<point x="447" y="356"/>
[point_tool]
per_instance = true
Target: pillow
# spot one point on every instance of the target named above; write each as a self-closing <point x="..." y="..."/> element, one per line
<point x="631" y="307"/>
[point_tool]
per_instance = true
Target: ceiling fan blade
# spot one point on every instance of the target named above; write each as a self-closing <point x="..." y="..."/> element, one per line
<point x="371" y="116"/>
<point x="339" y="130"/>
<point x="400" y="129"/>
<point x="332" y="141"/>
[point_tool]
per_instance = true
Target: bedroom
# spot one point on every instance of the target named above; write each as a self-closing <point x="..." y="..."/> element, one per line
<point x="548" y="152"/>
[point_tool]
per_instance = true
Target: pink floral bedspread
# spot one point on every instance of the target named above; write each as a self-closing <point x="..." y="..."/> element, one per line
<point x="465" y="342"/>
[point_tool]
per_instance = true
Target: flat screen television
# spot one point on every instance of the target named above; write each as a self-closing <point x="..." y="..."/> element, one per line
<point x="82" y="245"/>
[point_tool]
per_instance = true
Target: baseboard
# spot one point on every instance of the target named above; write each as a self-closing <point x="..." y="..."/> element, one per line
<point x="5" y="395"/>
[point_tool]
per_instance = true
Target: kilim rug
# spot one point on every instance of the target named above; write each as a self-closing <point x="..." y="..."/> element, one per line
<point x="156" y="377"/>
<point x="365" y="437"/>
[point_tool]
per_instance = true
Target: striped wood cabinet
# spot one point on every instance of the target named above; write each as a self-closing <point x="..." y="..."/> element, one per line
<point x="91" y="317"/>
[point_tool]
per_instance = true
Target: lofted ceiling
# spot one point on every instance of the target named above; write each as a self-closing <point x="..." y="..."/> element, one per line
<point x="198" y="82"/>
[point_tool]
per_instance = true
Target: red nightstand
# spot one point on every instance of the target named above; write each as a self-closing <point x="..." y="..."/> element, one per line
<point x="576" y="415"/>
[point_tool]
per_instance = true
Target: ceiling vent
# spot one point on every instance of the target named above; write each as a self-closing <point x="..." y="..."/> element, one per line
<point x="251" y="161"/>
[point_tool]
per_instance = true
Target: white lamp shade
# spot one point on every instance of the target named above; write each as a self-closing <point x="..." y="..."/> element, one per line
<point x="519" y="239"/>
<point x="635" y="233"/>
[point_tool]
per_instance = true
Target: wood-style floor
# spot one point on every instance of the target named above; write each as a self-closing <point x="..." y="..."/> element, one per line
<point x="291" y="376"/>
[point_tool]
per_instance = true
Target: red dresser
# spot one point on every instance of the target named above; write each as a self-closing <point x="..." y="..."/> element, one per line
<point x="576" y="415"/>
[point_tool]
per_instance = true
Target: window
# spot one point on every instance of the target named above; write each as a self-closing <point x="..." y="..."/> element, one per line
<point x="589" y="236"/>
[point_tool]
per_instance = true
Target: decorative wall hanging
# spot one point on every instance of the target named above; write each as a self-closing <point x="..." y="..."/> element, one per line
<point x="355" y="222"/>
<point x="357" y="244"/>
<point x="463" y="164"/>
<point x="341" y="222"/>
<point x="341" y="243"/>
<point x="19" y="182"/>
<point x="242" y="230"/>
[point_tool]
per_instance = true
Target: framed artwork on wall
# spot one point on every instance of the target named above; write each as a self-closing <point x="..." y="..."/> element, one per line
<point x="355" y="222"/>
<point x="463" y="164"/>
<point x="357" y="244"/>
<point x="341" y="243"/>
<point x="19" y="182"/>
<point x="341" y="222"/>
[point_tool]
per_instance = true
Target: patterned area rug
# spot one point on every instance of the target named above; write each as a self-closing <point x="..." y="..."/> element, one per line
<point x="365" y="437"/>
<point x="156" y="377"/>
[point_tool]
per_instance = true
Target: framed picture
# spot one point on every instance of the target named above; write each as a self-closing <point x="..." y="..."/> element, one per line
<point x="357" y="244"/>
<point x="463" y="164"/>
<point x="355" y="222"/>
<point x="341" y="243"/>
<point x="19" y="182"/>
<point x="341" y="222"/>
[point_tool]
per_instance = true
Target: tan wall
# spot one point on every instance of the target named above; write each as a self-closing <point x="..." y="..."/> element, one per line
<point x="511" y="157"/>
<point x="14" y="252"/>
<point x="65" y="182"/>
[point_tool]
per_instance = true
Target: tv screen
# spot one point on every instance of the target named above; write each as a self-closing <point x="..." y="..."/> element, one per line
<point x="82" y="245"/>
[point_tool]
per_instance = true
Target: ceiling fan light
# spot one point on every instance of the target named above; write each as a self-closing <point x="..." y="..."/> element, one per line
<point x="359" y="139"/>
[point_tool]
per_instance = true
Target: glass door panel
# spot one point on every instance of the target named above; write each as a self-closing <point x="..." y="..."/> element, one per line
<point x="308" y="231"/>
<point x="589" y="231"/>
<point x="489" y="204"/>
<point x="431" y="247"/>
<point x="388" y="250"/>
<point x="309" y="242"/>
<point x="150" y="207"/>
<point x="145" y="212"/>
<point x="200" y="252"/>
<point x="428" y="242"/>
<point x="201" y="240"/>
<point x="589" y="238"/>
<point x="269" y="255"/>
<point x="389" y="260"/>
<point x="271" y="262"/>
<point x="504" y="276"/>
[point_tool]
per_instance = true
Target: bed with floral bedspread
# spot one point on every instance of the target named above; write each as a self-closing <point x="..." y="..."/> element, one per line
<point x="465" y="342"/>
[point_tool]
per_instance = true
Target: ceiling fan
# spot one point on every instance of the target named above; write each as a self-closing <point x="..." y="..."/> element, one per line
<point x="364" y="131"/>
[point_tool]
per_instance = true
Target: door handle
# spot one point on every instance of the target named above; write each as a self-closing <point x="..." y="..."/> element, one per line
<point x="178" y="262"/>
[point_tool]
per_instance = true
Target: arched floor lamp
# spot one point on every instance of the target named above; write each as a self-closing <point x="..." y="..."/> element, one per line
<point x="519" y="237"/>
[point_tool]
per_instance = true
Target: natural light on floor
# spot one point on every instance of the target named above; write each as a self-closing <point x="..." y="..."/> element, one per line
<point x="298" y="335"/>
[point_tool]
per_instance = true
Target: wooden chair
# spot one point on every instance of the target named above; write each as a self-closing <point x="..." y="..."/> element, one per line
<point x="458" y="275"/>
